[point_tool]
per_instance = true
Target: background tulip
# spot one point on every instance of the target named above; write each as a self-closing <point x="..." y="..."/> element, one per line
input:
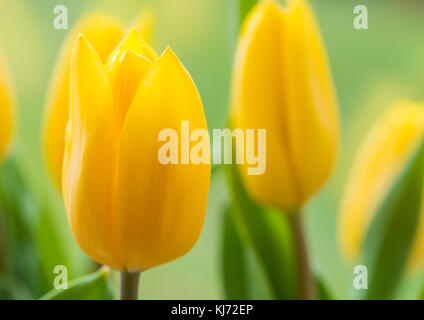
<point x="6" y="109"/>
<point x="384" y="152"/>
<point x="127" y="210"/>
<point x="104" y="34"/>
<point x="281" y="83"/>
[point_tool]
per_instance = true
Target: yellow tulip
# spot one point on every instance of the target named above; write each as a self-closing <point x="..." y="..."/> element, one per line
<point x="7" y="105"/>
<point x="125" y="208"/>
<point x="282" y="83"/>
<point x="144" y="23"/>
<point x="381" y="156"/>
<point x="104" y="34"/>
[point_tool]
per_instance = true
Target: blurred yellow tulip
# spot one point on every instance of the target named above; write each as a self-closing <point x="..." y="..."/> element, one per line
<point x="125" y="208"/>
<point x="282" y="83"/>
<point x="382" y="155"/>
<point x="143" y="24"/>
<point x="104" y="34"/>
<point x="7" y="109"/>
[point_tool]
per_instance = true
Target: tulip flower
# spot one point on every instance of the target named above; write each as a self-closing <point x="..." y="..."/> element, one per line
<point x="7" y="105"/>
<point x="281" y="83"/>
<point x="125" y="208"/>
<point x="385" y="149"/>
<point x="104" y="34"/>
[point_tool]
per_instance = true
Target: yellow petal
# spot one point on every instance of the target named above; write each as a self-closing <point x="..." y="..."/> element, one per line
<point x="7" y="112"/>
<point x="126" y="67"/>
<point x="133" y="42"/>
<point x="125" y="78"/>
<point x="281" y="83"/>
<point x="143" y="24"/>
<point x="384" y="152"/>
<point x="159" y="209"/>
<point x="256" y="88"/>
<point x="104" y="35"/>
<point x="312" y="113"/>
<point x="89" y="167"/>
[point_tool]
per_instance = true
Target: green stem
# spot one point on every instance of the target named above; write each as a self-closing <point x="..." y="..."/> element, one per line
<point x="129" y="285"/>
<point x="306" y="283"/>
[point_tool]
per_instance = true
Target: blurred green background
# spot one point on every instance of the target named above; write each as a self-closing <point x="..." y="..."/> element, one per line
<point x="371" y="68"/>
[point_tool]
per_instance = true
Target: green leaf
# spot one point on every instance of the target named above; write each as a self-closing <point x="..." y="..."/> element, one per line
<point x="245" y="7"/>
<point x="18" y="253"/>
<point x="257" y="281"/>
<point x="243" y="277"/>
<point x="12" y="288"/>
<point x="233" y="261"/>
<point x="268" y="234"/>
<point x="323" y="291"/>
<point x="391" y="233"/>
<point x="421" y="294"/>
<point x="94" y="286"/>
<point x="34" y="229"/>
<point x="55" y="243"/>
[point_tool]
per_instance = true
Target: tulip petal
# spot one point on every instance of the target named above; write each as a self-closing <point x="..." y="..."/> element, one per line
<point x="312" y="114"/>
<point x="159" y="208"/>
<point x="125" y="78"/>
<point x="7" y="118"/>
<point x="143" y="24"/>
<point x="132" y="42"/>
<point x="89" y="168"/>
<point x="126" y="67"/>
<point x="384" y="152"/>
<point x="104" y="34"/>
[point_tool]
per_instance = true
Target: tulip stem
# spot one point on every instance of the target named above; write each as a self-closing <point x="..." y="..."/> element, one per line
<point x="306" y="282"/>
<point x="129" y="285"/>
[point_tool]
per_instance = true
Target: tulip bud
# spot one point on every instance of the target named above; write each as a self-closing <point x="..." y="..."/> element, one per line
<point x="125" y="208"/>
<point x="384" y="152"/>
<point x="104" y="34"/>
<point x="282" y="83"/>
<point x="7" y="105"/>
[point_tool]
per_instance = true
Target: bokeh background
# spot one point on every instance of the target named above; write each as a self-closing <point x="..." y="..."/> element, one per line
<point x="371" y="68"/>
